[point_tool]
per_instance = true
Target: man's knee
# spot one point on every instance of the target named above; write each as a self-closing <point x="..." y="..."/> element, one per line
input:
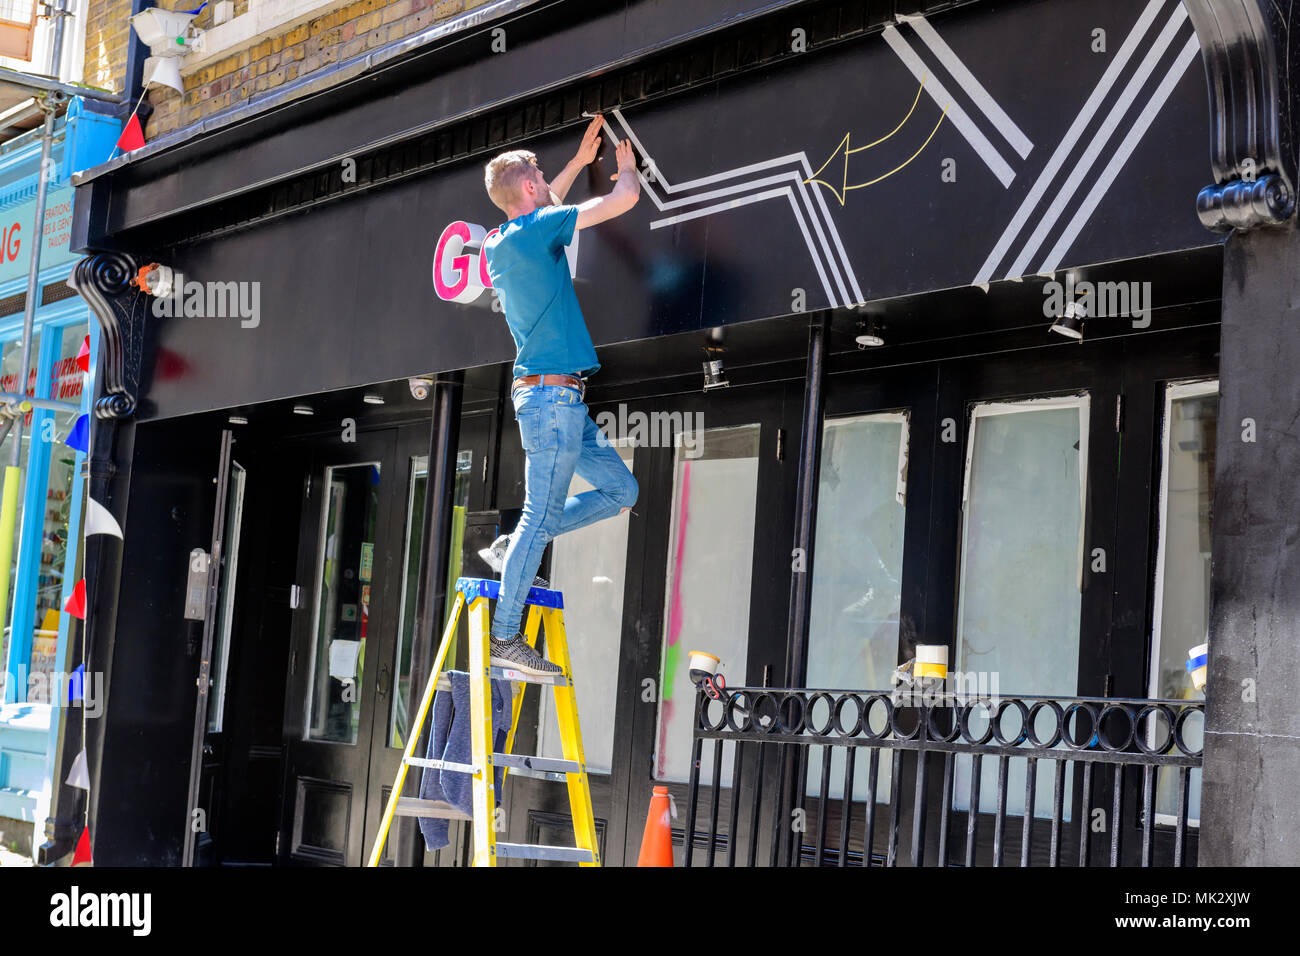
<point x="628" y="492"/>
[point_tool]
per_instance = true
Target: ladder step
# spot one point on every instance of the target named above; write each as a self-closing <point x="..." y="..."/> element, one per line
<point x="474" y="588"/>
<point x="553" y="765"/>
<point x="510" y="674"/>
<point x="439" y="809"/>
<point x="428" y="764"/>
<point x="536" y="851"/>
<point x="548" y="764"/>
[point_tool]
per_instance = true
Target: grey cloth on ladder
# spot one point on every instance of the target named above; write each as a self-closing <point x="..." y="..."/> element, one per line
<point x="449" y="739"/>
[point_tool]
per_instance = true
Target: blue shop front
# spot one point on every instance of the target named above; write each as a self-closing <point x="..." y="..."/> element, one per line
<point x="43" y="567"/>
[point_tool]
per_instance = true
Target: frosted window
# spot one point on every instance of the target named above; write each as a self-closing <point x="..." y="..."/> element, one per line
<point x="1021" y="569"/>
<point x="857" y="574"/>
<point x="589" y="566"/>
<point x="706" y="608"/>
<point x="1182" y="607"/>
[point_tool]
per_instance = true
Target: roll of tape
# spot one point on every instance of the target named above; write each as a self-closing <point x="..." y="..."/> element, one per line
<point x="703" y="661"/>
<point x="931" y="661"/>
<point x="932" y="654"/>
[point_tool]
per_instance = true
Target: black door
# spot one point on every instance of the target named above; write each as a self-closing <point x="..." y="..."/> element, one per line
<point x="340" y="676"/>
<point x="390" y="727"/>
<point x="709" y="570"/>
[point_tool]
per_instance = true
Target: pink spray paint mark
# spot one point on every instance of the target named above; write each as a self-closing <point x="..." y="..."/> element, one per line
<point x="675" y="607"/>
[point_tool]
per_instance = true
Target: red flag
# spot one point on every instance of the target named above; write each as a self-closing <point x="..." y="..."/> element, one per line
<point x="82" y="855"/>
<point x="132" y="137"/>
<point x="83" y="357"/>
<point x="76" y="605"/>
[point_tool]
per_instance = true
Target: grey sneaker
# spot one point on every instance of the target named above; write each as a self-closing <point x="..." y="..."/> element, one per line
<point x="494" y="555"/>
<point x="517" y="655"/>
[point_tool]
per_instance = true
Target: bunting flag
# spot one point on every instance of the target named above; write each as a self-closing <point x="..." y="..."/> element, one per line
<point x="164" y="71"/>
<point x="76" y="684"/>
<point x="83" y="357"/>
<point x="78" y="776"/>
<point x="132" y="135"/>
<point x="82" y="856"/>
<point x="100" y="521"/>
<point x="76" y="605"/>
<point x="79" y="437"/>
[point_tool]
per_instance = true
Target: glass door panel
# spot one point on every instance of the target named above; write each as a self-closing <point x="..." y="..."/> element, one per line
<point x="229" y="574"/>
<point x="1021" y="566"/>
<point x="856" y="586"/>
<point x="1182" y="585"/>
<point x="411" y="580"/>
<point x="710" y="564"/>
<point x="344" y="572"/>
<point x="410" y="591"/>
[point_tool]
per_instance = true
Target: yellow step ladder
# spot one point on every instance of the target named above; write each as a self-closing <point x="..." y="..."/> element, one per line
<point x="544" y="607"/>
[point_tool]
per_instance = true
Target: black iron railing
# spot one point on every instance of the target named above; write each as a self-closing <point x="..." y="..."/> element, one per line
<point x="1107" y="759"/>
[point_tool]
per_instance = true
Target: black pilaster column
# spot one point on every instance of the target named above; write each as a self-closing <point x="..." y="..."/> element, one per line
<point x="805" y="525"/>
<point x="1250" y="813"/>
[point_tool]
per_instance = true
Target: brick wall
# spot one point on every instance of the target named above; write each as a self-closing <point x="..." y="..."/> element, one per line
<point x="107" y="29"/>
<point x="275" y="58"/>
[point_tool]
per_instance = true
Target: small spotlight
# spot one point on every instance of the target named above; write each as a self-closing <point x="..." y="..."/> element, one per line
<point x="870" y="332"/>
<point x="714" y="377"/>
<point x="870" y="337"/>
<point x="373" y="399"/>
<point x="303" y="410"/>
<point x="237" y="420"/>
<point x="1070" y="324"/>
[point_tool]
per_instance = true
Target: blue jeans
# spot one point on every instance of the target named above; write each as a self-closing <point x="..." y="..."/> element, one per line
<point x="559" y="440"/>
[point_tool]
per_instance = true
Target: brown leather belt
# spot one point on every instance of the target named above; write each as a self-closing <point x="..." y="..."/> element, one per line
<point x="571" y="381"/>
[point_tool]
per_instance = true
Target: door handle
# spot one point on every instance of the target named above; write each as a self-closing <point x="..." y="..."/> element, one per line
<point x="385" y="679"/>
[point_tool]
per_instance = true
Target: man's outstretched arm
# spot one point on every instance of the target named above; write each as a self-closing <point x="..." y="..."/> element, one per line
<point x="623" y="197"/>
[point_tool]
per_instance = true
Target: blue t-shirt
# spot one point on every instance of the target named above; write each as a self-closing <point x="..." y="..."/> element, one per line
<point x="530" y="272"/>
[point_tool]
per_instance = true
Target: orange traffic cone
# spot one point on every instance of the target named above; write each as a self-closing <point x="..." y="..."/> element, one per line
<point x="657" y="841"/>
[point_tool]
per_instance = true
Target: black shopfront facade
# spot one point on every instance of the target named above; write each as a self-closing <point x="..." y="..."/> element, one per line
<point x="947" y="176"/>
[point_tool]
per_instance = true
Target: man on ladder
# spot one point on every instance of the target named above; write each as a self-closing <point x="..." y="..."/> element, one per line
<point x="529" y="270"/>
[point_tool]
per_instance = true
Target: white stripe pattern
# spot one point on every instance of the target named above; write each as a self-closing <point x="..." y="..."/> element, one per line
<point x="829" y="257"/>
<point x="1065" y="205"/>
<point x="1068" y="141"/>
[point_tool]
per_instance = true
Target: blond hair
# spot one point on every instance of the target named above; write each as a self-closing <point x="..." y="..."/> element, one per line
<point x="504" y="175"/>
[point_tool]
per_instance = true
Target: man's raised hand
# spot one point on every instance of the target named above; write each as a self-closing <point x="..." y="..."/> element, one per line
<point x="626" y="158"/>
<point x="590" y="142"/>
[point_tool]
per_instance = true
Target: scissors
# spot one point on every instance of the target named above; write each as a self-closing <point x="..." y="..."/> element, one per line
<point x="715" y="686"/>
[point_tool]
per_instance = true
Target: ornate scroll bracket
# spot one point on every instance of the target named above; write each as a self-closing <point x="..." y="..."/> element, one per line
<point x="104" y="281"/>
<point x="1248" y="70"/>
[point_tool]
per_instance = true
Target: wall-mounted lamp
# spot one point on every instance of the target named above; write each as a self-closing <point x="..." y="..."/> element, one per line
<point x="870" y="333"/>
<point x="714" y="376"/>
<point x="1070" y="323"/>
